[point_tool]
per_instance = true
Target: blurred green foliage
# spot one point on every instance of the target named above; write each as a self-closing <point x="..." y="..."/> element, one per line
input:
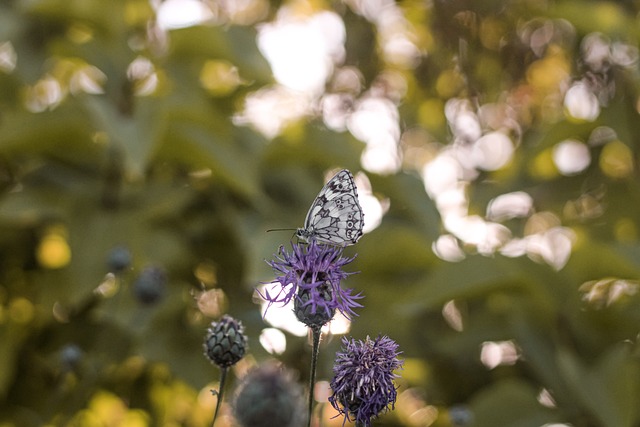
<point x="109" y="167"/>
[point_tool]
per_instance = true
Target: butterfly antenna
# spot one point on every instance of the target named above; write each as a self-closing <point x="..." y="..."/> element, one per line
<point x="280" y="229"/>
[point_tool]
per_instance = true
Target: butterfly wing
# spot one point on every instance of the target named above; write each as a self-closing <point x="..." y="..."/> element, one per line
<point x="335" y="217"/>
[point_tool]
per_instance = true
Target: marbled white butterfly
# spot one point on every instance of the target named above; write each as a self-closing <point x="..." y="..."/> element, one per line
<point x="335" y="217"/>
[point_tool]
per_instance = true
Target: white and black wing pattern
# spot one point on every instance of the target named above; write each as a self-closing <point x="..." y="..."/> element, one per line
<point x="335" y="217"/>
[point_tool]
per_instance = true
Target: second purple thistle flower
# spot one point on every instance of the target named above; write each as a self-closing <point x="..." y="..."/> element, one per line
<point x="311" y="276"/>
<point x="363" y="385"/>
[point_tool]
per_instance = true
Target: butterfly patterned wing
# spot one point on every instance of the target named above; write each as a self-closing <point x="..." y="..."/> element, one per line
<point x="341" y="183"/>
<point x="340" y="222"/>
<point x="335" y="217"/>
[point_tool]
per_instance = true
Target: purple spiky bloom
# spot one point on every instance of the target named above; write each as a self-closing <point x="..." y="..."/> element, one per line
<point x="311" y="275"/>
<point x="363" y="378"/>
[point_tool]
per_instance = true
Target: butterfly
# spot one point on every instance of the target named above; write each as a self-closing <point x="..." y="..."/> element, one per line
<point x="335" y="217"/>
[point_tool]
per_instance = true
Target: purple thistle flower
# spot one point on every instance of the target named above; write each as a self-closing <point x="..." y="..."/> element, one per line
<point x="363" y="378"/>
<point x="311" y="276"/>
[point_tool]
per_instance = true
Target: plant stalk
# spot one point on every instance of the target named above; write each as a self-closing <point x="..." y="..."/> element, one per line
<point x="315" y="331"/>
<point x="223" y="378"/>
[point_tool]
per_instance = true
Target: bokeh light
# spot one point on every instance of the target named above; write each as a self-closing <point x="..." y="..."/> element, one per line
<point x="571" y="157"/>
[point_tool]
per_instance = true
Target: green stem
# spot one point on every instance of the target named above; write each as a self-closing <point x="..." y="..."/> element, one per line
<point x="223" y="377"/>
<point x="314" y="363"/>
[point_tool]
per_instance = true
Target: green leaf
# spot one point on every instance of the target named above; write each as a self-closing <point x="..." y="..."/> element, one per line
<point x="62" y="133"/>
<point x="476" y="276"/>
<point x="12" y="335"/>
<point x="603" y="16"/>
<point x="223" y="157"/>
<point x="136" y="136"/>
<point x="235" y="44"/>
<point x="396" y="252"/>
<point x="509" y="403"/>
<point x="595" y="259"/>
<point x="609" y="389"/>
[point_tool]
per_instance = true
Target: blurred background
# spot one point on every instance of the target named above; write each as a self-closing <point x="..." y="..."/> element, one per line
<point x="146" y="146"/>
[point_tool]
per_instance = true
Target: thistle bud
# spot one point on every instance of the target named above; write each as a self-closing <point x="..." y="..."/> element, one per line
<point x="119" y="259"/>
<point x="150" y="286"/>
<point x="268" y="396"/>
<point x="225" y="343"/>
<point x="308" y="311"/>
<point x="70" y="357"/>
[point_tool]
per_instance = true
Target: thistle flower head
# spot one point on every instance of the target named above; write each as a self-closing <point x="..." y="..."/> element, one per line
<point x="363" y="378"/>
<point x="311" y="276"/>
<point x="150" y="286"/>
<point x="269" y="396"/>
<point x="225" y="343"/>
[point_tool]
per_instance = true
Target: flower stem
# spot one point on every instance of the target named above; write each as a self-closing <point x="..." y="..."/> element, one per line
<point x="223" y="377"/>
<point x="315" y="331"/>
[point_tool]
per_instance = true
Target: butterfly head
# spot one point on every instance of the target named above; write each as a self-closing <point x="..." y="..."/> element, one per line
<point x="303" y="234"/>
